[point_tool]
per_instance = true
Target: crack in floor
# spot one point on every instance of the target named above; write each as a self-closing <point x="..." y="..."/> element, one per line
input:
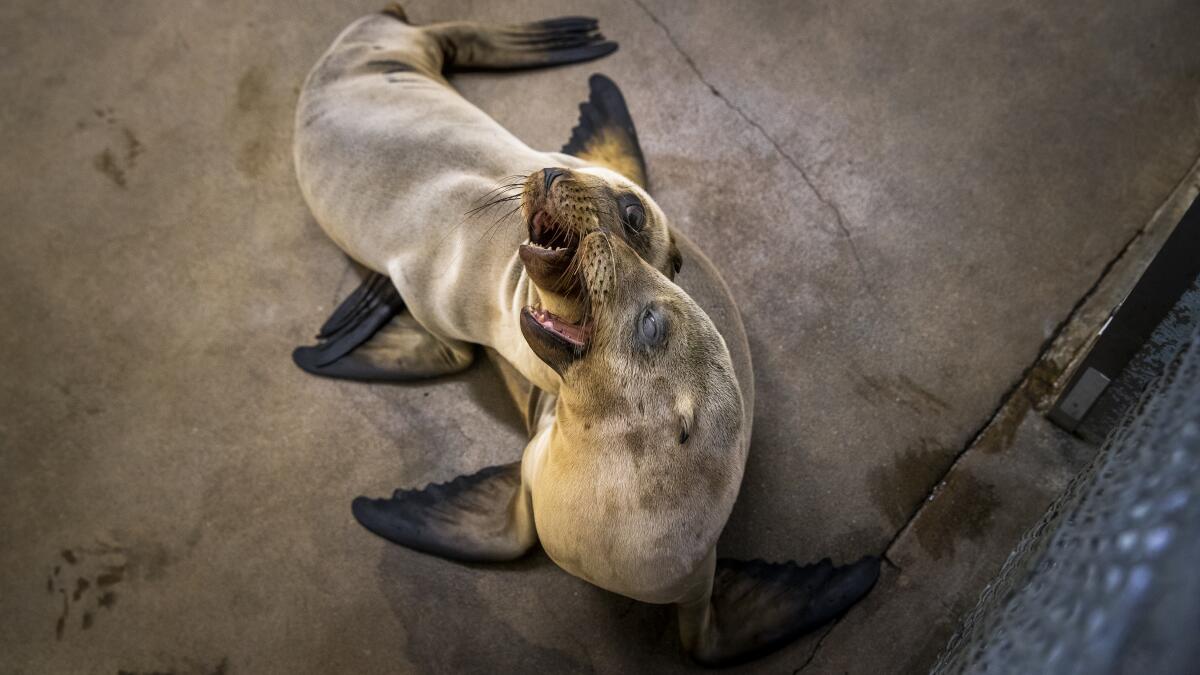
<point x="1016" y="389"/>
<point x="817" y="647"/>
<point x="843" y="229"/>
<point x="1191" y="177"/>
<point x="1019" y="387"/>
<point x="1006" y="399"/>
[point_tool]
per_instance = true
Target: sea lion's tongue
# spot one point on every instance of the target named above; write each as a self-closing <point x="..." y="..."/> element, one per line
<point x="574" y="333"/>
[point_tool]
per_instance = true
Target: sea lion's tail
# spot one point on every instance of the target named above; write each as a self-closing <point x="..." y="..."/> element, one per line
<point x="467" y="45"/>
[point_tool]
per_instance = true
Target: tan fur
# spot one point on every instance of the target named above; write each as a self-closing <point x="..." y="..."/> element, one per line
<point x="612" y="148"/>
<point x="390" y="163"/>
<point x="619" y="500"/>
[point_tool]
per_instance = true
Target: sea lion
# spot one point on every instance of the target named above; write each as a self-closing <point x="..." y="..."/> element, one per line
<point x="390" y="158"/>
<point x="638" y="403"/>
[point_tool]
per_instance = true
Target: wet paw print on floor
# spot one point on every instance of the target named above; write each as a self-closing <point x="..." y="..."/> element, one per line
<point x="87" y="579"/>
<point x="116" y="164"/>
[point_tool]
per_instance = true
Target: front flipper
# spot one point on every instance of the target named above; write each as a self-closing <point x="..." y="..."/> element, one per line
<point x="605" y="134"/>
<point x="484" y="517"/>
<point x="757" y="607"/>
<point x="370" y="337"/>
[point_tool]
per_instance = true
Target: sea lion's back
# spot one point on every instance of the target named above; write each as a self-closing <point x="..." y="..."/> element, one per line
<point x="700" y="279"/>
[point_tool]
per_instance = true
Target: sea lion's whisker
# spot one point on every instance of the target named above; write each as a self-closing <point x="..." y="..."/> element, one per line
<point x="492" y="202"/>
<point x="491" y="229"/>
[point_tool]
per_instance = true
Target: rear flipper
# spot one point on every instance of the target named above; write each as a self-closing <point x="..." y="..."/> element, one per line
<point x="605" y="134"/>
<point x="469" y="46"/>
<point x="484" y="517"/>
<point x="370" y="337"/>
<point x="758" y="607"/>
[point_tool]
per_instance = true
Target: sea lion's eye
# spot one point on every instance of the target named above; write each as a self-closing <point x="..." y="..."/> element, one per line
<point x="652" y="327"/>
<point x="633" y="215"/>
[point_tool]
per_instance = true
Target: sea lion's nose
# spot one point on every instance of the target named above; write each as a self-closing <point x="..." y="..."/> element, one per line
<point x="548" y="175"/>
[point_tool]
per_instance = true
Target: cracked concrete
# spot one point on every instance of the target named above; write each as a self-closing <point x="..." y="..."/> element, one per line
<point x="979" y="165"/>
<point x="1039" y="461"/>
<point x="837" y="212"/>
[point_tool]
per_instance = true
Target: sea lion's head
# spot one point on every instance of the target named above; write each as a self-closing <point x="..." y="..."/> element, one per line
<point x="562" y="206"/>
<point x="643" y="350"/>
<point x="647" y="445"/>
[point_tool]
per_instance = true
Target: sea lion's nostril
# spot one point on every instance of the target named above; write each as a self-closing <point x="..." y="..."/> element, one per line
<point x="548" y="175"/>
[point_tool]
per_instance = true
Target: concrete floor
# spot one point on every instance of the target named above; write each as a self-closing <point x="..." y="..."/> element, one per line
<point x="908" y="198"/>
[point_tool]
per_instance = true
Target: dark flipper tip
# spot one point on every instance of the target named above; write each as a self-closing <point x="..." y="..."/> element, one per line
<point x="846" y="586"/>
<point x="580" y="54"/>
<point x="469" y="518"/>
<point x="371" y="514"/>
<point x="307" y="358"/>
<point x="605" y="133"/>
<point x="764" y="606"/>
<point x="540" y="44"/>
<point x="315" y="361"/>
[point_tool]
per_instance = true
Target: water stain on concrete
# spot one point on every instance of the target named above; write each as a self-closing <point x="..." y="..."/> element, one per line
<point x="116" y="164"/>
<point x="1000" y="434"/>
<point x="61" y="624"/>
<point x="94" y="574"/>
<point x="1041" y="383"/>
<point x="251" y="89"/>
<point x="961" y="509"/>
<point x="898" y="390"/>
<point x="252" y="158"/>
<point x="250" y="105"/>
<point x="450" y="615"/>
<point x="898" y="490"/>
<point x="133" y="146"/>
<point x="88" y="568"/>
<point x="106" y="163"/>
<point x="81" y="585"/>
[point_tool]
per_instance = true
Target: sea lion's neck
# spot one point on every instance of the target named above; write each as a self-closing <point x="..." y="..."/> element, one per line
<point x="516" y="291"/>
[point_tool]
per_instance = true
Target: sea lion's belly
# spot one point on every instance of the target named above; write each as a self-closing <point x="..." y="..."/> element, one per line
<point x="641" y="527"/>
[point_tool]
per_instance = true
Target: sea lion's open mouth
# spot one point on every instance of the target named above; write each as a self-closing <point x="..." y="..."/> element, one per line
<point x="576" y="334"/>
<point x="548" y="255"/>
<point x="555" y="340"/>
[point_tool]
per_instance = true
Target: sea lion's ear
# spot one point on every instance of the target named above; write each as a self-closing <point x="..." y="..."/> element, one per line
<point x="675" y="258"/>
<point x="605" y="134"/>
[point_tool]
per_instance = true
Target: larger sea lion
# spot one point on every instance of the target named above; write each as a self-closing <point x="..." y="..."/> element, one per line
<point x="638" y="395"/>
<point x="390" y="158"/>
